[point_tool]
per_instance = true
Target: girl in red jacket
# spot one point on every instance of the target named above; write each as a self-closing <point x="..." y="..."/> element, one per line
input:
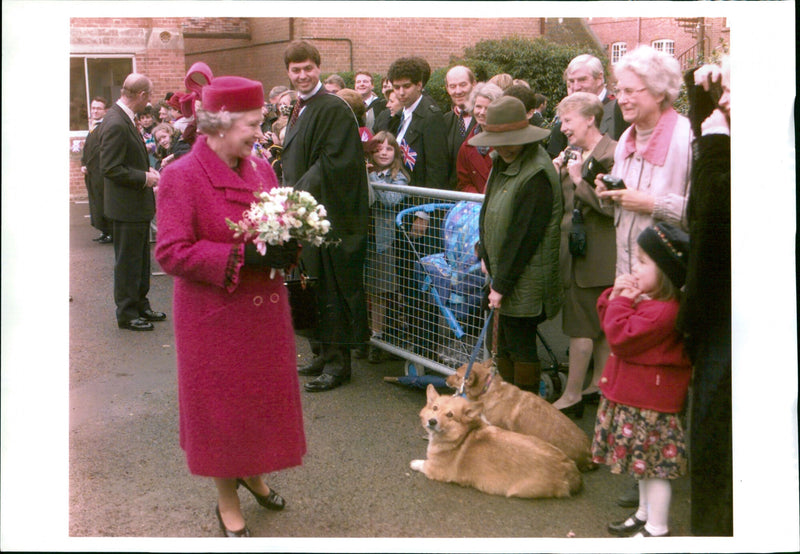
<point x="646" y="379"/>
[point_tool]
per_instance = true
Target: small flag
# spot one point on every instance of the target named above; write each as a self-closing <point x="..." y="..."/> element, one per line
<point x="409" y="156"/>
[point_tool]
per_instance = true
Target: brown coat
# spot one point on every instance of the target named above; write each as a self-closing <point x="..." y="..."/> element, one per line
<point x="597" y="267"/>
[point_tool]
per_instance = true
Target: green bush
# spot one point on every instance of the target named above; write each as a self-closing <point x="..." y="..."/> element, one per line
<point x="538" y="61"/>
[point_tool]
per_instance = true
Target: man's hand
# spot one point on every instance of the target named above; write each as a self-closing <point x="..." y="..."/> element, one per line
<point x="151" y="178"/>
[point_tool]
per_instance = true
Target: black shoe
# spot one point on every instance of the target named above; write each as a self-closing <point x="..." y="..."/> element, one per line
<point x="138" y="324"/>
<point x="312" y="369"/>
<point x="627" y="526"/>
<point x="576" y="410"/>
<point x="324" y="382"/>
<point x="105" y="239"/>
<point x="272" y="501"/>
<point x="630" y="498"/>
<point x="150" y="315"/>
<point x="243" y="532"/>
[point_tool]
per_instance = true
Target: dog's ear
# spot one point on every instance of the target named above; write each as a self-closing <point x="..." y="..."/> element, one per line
<point x="472" y="413"/>
<point x="431" y="393"/>
<point x="472" y="380"/>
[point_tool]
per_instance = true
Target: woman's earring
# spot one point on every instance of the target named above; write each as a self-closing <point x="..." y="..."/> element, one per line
<point x="222" y="135"/>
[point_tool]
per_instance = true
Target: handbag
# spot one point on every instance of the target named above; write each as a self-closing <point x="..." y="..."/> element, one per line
<point x="577" y="234"/>
<point x="302" y="299"/>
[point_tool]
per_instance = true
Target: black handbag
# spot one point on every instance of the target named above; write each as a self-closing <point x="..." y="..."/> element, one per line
<point x="577" y="234"/>
<point x="302" y="299"/>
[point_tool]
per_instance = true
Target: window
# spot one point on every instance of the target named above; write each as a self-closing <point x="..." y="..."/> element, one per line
<point x="618" y="49"/>
<point x="90" y="77"/>
<point x="665" y="45"/>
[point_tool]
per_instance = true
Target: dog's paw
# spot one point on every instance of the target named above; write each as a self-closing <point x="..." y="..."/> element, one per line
<point x="417" y="465"/>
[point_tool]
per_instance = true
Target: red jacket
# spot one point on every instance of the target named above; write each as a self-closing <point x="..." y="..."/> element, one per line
<point x="472" y="167"/>
<point x="648" y="367"/>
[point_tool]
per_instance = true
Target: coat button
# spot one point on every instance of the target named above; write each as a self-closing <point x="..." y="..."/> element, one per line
<point x="274" y="297"/>
<point x="604" y="379"/>
<point x="257" y="300"/>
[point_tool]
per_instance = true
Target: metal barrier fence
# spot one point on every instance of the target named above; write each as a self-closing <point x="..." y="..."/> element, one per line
<point x="422" y="277"/>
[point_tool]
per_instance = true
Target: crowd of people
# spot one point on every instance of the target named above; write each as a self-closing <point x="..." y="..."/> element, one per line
<point x="590" y="216"/>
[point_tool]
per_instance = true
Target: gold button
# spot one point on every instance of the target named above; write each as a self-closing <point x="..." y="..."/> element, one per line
<point x="257" y="300"/>
<point x="274" y="297"/>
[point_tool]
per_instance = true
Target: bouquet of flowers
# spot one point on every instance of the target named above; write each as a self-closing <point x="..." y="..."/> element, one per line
<point x="280" y="215"/>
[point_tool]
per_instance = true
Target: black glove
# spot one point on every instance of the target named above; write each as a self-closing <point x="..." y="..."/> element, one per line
<point x="279" y="256"/>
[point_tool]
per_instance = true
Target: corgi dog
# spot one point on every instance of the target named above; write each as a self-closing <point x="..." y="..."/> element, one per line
<point x="507" y="406"/>
<point x="464" y="449"/>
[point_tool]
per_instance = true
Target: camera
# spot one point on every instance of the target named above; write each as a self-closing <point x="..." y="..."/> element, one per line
<point x="285" y="110"/>
<point x="592" y="170"/>
<point x="569" y="154"/>
<point x="613" y="183"/>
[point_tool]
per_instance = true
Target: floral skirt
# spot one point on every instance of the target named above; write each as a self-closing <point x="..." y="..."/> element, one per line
<point x="645" y="443"/>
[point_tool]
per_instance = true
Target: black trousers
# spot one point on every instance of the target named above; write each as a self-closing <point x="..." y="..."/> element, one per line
<point x="131" y="268"/>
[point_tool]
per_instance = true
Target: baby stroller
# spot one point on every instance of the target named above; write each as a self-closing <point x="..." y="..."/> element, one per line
<point x="449" y="288"/>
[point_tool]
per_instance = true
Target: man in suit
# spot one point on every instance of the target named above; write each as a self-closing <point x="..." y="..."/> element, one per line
<point x="585" y="74"/>
<point x="419" y="127"/>
<point x="539" y="105"/>
<point x="323" y="155"/>
<point x="93" y="176"/>
<point x="129" y="203"/>
<point x="374" y="104"/>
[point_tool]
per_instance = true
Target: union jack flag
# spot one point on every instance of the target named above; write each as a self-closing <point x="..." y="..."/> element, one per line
<point x="409" y="156"/>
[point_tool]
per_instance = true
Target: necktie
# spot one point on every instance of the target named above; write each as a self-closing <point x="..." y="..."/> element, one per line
<point x="461" y="127"/>
<point x="400" y="125"/>
<point x="296" y="111"/>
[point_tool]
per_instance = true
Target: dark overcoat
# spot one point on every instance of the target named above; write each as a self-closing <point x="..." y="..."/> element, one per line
<point x="323" y="155"/>
<point x="238" y="389"/>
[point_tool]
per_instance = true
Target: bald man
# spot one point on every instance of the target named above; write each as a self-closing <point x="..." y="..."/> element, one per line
<point x="459" y="81"/>
<point x="129" y="203"/>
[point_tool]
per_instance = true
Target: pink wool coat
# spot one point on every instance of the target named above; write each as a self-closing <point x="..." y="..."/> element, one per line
<point x="238" y="390"/>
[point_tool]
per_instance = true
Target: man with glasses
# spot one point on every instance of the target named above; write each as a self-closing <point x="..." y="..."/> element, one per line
<point x="129" y="203"/>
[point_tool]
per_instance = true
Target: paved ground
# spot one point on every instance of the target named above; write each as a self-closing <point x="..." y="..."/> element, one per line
<point x="128" y="476"/>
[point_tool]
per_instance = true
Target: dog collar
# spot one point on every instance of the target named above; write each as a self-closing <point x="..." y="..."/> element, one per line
<point x="492" y="373"/>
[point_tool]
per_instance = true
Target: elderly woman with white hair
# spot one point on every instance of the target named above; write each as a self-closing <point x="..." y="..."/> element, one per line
<point x="653" y="156"/>
<point x="473" y="163"/>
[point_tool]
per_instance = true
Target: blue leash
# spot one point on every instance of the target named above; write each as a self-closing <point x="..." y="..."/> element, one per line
<point x="475" y="351"/>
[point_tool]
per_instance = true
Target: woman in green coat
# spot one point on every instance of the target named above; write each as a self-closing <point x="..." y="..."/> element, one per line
<point x="519" y="237"/>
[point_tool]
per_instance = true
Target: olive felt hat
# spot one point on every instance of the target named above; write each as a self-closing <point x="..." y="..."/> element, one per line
<point x="507" y="125"/>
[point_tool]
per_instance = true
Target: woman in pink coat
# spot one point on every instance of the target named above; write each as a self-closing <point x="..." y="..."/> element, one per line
<point x="238" y="392"/>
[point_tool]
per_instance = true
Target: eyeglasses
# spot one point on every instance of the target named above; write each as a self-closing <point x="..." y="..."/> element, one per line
<point x="628" y="92"/>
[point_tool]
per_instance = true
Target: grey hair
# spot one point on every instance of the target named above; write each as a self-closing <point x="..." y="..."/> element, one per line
<point x="585" y="103"/>
<point x="660" y="72"/>
<point x="487" y="90"/>
<point x="593" y="64"/>
<point x="211" y="123"/>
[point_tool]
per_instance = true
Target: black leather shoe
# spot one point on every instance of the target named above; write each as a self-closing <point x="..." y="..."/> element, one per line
<point x="138" y="324"/>
<point x="272" y="501"/>
<point x="325" y="382"/>
<point x="627" y="526"/>
<point x="105" y="239"/>
<point x="150" y="315"/>
<point x="575" y="409"/>
<point x="313" y="368"/>
<point x="243" y="532"/>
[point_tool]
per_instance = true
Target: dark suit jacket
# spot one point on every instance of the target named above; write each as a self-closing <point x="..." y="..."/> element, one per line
<point x="375" y="108"/>
<point x="454" y="142"/>
<point x="124" y="163"/>
<point x="538" y="119"/>
<point x="427" y="136"/>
